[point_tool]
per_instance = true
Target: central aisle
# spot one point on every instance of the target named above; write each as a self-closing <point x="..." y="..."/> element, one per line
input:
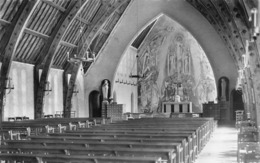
<point x="222" y="147"/>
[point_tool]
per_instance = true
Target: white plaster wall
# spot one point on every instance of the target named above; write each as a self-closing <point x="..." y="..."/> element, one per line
<point x="20" y="101"/>
<point x="53" y="102"/>
<point x="123" y="85"/>
<point x="141" y="13"/>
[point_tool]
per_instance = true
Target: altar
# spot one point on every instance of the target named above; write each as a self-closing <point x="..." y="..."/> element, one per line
<point x="177" y="107"/>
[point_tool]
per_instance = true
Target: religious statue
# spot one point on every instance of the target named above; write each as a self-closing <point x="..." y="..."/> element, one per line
<point x="223" y="90"/>
<point x="177" y="98"/>
<point x="167" y="91"/>
<point x="105" y="88"/>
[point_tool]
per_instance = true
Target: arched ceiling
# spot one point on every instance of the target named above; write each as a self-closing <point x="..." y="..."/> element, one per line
<point x="43" y="19"/>
<point x="230" y="18"/>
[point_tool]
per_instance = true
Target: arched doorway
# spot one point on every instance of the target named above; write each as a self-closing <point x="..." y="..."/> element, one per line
<point x="94" y="104"/>
<point x="237" y="103"/>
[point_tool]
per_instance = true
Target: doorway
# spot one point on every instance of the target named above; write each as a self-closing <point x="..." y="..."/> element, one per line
<point x="94" y="104"/>
<point x="237" y="103"/>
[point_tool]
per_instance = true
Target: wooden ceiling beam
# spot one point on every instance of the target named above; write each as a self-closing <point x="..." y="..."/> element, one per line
<point x="91" y="32"/>
<point x="37" y="34"/>
<point x="104" y="31"/>
<point x="4" y="22"/>
<point x="64" y="43"/>
<point x="62" y="9"/>
<point x="50" y="49"/>
<point x="83" y="20"/>
<point x="9" y="43"/>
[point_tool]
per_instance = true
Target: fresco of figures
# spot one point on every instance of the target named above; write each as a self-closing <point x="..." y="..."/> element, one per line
<point x="173" y="63"/>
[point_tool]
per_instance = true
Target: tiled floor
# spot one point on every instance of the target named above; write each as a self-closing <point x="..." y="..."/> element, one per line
<point x="221" y="148"/>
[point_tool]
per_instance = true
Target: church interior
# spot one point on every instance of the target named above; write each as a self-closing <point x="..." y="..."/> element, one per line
<point x="129" y="80"/>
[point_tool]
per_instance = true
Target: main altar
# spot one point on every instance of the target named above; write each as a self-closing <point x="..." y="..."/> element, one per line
<point x="177" y="107"/>
<point x="177" y="100"/>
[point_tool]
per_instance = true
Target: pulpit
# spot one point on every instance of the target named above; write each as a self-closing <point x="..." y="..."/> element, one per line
<point x="177" y="107"/>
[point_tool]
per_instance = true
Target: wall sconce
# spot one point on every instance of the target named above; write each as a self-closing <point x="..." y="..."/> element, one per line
<point x="9" y="85"/>
<point x="47" y="87"/>
<point x="75" y="90"/>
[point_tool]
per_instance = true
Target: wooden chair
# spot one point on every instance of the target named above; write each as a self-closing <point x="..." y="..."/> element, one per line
<point x="14" y="135"/>
<point x="61" y="128"/>
<point x="49" y="129"/>
<point x="72" y="126"/>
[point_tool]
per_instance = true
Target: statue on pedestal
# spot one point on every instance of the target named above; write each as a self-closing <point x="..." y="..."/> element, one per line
<point x="105" y="90"/>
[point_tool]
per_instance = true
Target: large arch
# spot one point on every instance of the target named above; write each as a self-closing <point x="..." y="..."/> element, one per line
<point x="131" y="24"/>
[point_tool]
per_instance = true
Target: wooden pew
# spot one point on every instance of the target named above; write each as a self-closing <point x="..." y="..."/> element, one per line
<point x="204" y="132"/>
<point x="165" y="154"/>
<point x="207" y="125"/>
<point x="189" y="149"/>
<point x="125" y="138"/>
<point x="208" y="122"/>
<point x="40" y="158"/>
<point x="49" y="125"/>
<point x="194" y="142"/>
<point x="153" y="136"/>
<point x="207" y="128"/>
<point x="110" y="145"/>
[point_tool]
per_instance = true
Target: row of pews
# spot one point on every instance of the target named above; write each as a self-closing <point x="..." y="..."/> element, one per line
<point x="21" y="129"/>
<point x="248" y="142"/>
<point x="146" y="140"/>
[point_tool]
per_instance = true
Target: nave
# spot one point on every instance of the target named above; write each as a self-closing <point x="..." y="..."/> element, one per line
<point x="67" y="65"/>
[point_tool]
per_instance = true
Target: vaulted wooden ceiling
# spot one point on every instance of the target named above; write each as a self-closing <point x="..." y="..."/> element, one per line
<point x="46" y="15"/>
<point x="231" y="19"/>
<point x="44" y="32"/>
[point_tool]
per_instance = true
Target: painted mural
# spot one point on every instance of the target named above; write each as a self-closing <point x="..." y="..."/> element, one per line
<point x="173" y="64"/>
